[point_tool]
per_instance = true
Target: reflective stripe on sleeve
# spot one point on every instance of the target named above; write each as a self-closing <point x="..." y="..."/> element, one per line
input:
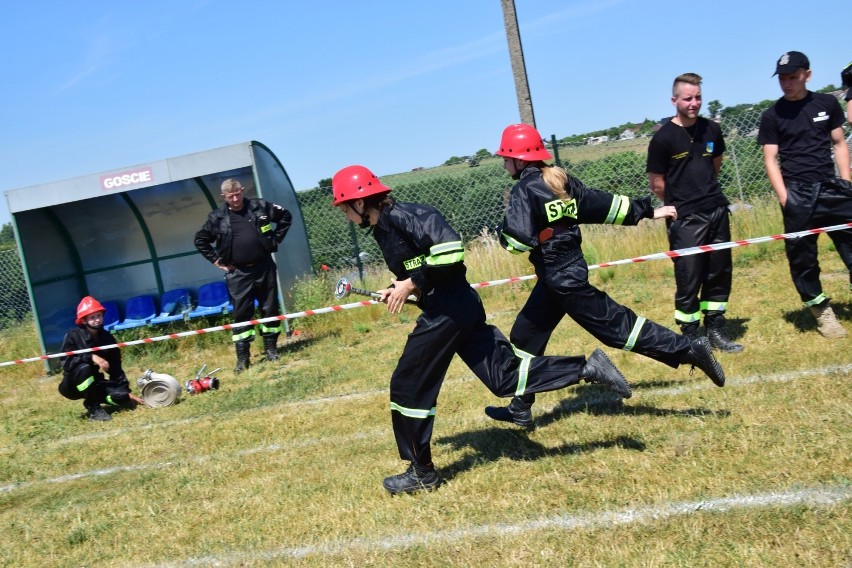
<point x="618" y="210"/>
<point x="515" y="246"/>
<point x="444" y="254"/>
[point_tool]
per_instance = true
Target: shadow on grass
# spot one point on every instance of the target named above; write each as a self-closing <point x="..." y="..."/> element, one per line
<point x="736" y="327"/>
<point x="298" y="343"/>
<point x="513" y="443"/>
<point x="695" y="375"/>
<point x="492" y="444"/>
<point x="803" y="321"/>
<point x="507" y="441"/>
<point x="607" y="403"/>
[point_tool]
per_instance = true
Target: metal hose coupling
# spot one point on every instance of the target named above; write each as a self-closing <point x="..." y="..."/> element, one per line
<point x="158" y="389"/>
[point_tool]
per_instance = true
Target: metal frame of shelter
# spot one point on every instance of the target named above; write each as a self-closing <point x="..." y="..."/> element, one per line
<point x="129" y="231"/>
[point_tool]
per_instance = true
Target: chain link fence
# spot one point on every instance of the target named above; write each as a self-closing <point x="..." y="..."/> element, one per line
<point x="471" y="193"/>
<point x="14" y="300"/>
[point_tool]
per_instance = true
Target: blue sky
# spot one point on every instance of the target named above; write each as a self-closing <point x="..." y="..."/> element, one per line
<point x="99" y="85"/>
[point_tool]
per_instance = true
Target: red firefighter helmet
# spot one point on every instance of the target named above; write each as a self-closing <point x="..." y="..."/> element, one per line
<point x="355" y="182"/>
<point x="86" y="307"/>
<point x="522" y="141"/>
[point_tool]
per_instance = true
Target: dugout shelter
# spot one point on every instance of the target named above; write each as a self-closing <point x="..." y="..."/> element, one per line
<point x="128" y="232"/>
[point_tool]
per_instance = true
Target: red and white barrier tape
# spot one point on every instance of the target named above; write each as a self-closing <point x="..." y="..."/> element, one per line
<point x="656" y="256"/>
<point x="195" y="332"/>
<point x="722" y="246"/>
<point x="686" y="252"/>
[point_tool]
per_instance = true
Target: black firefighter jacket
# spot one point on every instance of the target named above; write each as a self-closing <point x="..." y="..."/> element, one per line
<point x="78" y="338"/>
<point x="417" y="242"/>
<point x="533" y="208"/>
<point x="262" y="214"/>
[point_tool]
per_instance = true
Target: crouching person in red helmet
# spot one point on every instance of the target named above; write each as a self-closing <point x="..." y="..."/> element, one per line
<point x="83" y="374"/>
<point x="426" y="257"/>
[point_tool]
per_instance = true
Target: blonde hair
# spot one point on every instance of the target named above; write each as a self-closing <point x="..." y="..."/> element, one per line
<point x="690" y="78"/>
<point x="231" y="185"/>
<point x="556" y="180"/>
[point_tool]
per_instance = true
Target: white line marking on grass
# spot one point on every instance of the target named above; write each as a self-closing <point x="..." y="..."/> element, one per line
<point x="702" y="385"/>
<point x="168" y="424"/>
<point x="199" y="460"/>
<point x="307" y="442"/>
<point x="753" y="379"/>
<point x="776" y="377"/>
<point x="813" y="497"/>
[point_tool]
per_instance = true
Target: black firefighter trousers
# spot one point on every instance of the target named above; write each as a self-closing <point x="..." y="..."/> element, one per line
<point x="453" y="321"/>
<point x="701" y="278"/>
<point x="565" y="290"/>
<point x="811" y="206"/>
<point x="247" y="284"/>
<point x="87" y="382"/>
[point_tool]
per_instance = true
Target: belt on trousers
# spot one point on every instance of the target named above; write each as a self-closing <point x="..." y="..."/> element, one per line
<point x="550" y="232"/>
<point x="249" y="265"/>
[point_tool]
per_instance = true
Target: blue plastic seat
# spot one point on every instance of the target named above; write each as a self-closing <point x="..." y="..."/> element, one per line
<point x="54" y="325"/>
<point x="138" y="311"/>
<point x="174" y="305"/>
<point x="213" y="299"/>
<point x="111" y="317"/>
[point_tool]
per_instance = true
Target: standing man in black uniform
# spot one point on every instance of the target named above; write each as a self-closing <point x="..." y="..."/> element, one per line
<point x="543" y="216"/>
<point x="426" y="257"/>
<point x="83" y="373"/>
<point x="684" y="159"/>
<point x="244" y="236"/>
<point x="800" y="130"/>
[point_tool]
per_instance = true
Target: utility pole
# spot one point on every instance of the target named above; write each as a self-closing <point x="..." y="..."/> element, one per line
<point x="519" y="68"/>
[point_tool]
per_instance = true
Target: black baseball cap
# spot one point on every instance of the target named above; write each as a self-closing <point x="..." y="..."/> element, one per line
<point x="790" y="62"/>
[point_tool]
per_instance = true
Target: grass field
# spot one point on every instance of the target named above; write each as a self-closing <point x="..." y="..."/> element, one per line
<point x="283" y="465"/>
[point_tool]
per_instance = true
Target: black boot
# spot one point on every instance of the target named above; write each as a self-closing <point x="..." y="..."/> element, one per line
<point x="415" y="478"/>
<point x="518" y="412"/>
<point x="243" y="348"/>
<point x="691" y="330"/>
<point x="95" y="412"/>
<point x="599" y="369"/>
<point x="716" y="334"/>
<point x="270" y="346"/>
<point x="701" y="355"/>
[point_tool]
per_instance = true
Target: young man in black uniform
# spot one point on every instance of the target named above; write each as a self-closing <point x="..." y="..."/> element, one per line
<point x="83" y="374"/>
<point x="684" y="159"/>
<point x="426" y="257"/>
<point x="244" y="236"/>
<point x="800" y="130"/>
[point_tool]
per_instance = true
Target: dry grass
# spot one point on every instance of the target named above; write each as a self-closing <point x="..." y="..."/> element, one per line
<point x="283" y="465"/>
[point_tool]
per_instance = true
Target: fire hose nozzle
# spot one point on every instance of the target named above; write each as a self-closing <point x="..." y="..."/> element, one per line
<point x="200" y="384"/>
